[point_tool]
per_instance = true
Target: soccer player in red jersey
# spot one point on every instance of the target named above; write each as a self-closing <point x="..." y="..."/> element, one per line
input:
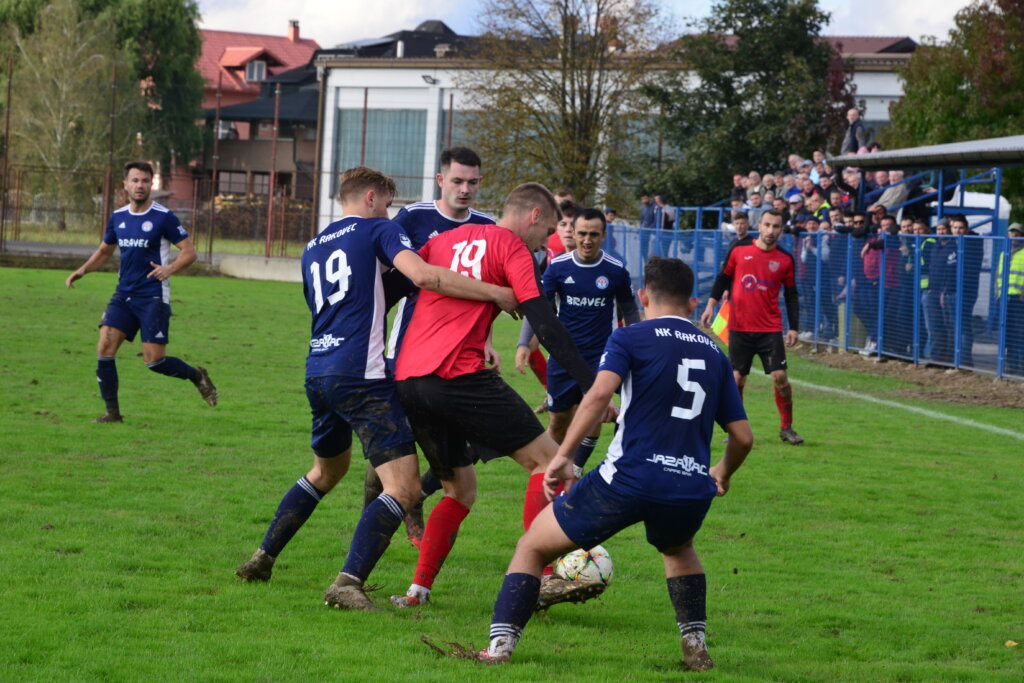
<point x="753" y="275"/>
<point x="445" y="387"/>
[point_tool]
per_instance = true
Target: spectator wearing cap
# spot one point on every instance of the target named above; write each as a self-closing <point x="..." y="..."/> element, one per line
<point x="1012" y="265"/>
<point x="796" y="208"/>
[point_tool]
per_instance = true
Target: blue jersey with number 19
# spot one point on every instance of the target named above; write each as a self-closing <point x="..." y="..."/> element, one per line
<point x="341" y="277"/>
<point x="676" y="383"/>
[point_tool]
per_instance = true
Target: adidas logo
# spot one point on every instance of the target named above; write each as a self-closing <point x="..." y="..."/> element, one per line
<point x="122" y="226"/>
<point x="159" y="335"/>
<point x="569" y="280"/>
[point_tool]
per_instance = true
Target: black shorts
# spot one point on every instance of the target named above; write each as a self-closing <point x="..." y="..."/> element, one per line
<point x="743" y="346"/>
<point x="479" y="407"/>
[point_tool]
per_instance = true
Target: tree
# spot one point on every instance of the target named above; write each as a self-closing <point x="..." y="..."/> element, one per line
<point x="162" y="43"/>
<point x="970" y="87"/>
<point x="756" y="84"/>
<point x="61" y="113"/>
<point x="556" y="97"/>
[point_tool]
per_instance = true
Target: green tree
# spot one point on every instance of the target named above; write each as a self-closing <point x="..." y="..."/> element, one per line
<point x="556" y="92"/>
<point x="61" y="114"/>
<point x="754" y="82"/>
<point x="969" y="87"/>
<point x="162" y="43"/>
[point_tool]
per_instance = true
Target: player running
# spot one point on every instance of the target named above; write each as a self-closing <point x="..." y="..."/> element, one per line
<point x="676" y="384"/>
<point x="591" y="291"/>
<point x="347" y="383"/>
<point x="447" y="391"/>
<point x="459" y="182"/>
<point x="753" y="275"/>
<point x="144" y="231"/>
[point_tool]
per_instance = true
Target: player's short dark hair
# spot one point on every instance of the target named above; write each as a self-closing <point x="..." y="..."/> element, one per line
<point x="589" y="214"/>
<point x="668" y="278"/>
<point x="530" y="196"/>
<point x="356" y="181"/>
<point x="139" y="165"/>
<point x="569" y="208"/>
<point x="772" y="212"/>
<point x="459" y="155"/>
<point x="740" y="215"/>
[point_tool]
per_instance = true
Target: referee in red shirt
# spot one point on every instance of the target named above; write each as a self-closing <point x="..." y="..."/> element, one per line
<point x="753" y="275"/>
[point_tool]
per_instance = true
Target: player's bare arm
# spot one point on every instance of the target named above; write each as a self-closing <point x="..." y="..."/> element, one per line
<point x="94" y="262"/>
<point x="741" y="440"/>
<point x="450" y="283"/>
<point x="709" y="313"/>
<point x="185" y="259"/>
<point x="491" y="355"/>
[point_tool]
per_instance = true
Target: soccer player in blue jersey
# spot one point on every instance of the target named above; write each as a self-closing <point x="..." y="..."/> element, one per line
<point x="591" y="292"/>
<point x="347" y="381"/>
<point x="459" y="181"/>
<point x="144" y="232"/>
<point x="676" y="384"/>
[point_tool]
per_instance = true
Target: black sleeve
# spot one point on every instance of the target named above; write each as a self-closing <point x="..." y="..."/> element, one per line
<point x="555" y="338"/>
<point x="396" y="287"/>
<point x="723" y="283"/>
<point x="792" y="307"/>
<point x="630" y="312"/>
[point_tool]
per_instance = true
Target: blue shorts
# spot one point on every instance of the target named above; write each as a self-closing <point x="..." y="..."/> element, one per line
<point x="593" y="512"/>
<point x="133" y="313"/>
<point x="369" y="406"/>
<point x="563" y="392"/>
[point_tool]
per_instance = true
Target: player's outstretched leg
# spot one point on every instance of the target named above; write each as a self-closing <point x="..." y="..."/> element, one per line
<point x="378" y="523"/>
<point x="106" y="375"/>
<point x="414" y="516"/>
<point x="294" y="509"/>
<point x="205" y="386"/>
<point x="438" y="540"/>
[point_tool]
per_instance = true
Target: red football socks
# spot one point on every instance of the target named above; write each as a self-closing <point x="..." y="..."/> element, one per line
<point x="784" y="402"/>
<point x="539" y="365"/>
<point x="438" y="538"/>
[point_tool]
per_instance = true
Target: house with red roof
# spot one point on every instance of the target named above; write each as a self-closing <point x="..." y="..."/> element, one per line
<point x="237" y="67"/>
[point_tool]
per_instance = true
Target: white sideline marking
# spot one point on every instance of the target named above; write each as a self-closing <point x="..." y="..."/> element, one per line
<point x="913" y="409"/>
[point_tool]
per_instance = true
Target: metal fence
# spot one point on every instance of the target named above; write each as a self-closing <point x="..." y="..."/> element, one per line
<point x="927" y="299"/>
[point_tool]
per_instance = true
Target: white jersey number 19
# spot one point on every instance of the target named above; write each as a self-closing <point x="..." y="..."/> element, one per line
<point x="337" y="271"/>
<point x="468" y="256"/>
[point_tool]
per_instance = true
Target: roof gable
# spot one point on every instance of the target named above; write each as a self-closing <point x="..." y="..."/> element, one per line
<point x="224" y="52"/>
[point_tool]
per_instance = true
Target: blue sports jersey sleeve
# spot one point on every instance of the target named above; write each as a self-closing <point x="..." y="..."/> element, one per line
<point x="110" y="236"/>
<point x="616" y="357"/>
<point x="390" y="239"/>
<point x="172" y="229"/>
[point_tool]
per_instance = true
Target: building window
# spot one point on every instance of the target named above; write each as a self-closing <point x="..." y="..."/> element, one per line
<point x="395" y="142"/>
<point x="260" y="183"/>
<point x="256" y="70"/>
<point x="231" y="182"/>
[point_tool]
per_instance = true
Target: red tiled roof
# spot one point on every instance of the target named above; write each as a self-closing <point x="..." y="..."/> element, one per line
<point x="864" y="44"/>
<point x="225" y="51"/>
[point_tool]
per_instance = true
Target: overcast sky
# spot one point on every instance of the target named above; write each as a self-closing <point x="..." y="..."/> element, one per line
<point x="330" y="22"/>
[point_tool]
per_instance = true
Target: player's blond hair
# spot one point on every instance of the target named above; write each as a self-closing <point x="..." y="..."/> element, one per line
<point x="530" y="196"/>
<point x="356" y="181"/>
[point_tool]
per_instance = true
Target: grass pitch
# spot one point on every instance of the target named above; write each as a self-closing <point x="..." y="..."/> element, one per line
<point x="888" y="547"/>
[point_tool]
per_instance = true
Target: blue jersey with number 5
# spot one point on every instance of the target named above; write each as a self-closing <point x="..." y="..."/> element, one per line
<point x="341" y="277"/>
<point x="676" y="383"/>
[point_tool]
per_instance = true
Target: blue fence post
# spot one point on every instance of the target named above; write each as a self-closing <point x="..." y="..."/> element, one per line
<point x="817" y="286"/>
<point x="1003" y="300"/>
<point x="849" y="290"/>
<point x="959" y="308"/>
<point x="915" y="340"/>
<point x="881" y="293"/>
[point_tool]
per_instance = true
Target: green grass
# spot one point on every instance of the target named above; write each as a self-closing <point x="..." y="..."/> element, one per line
<point x="222" y="245"/>
<point x="888" y="547"/>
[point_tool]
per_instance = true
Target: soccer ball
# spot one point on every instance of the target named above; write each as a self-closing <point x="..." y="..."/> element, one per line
<point x="582" y="565"/>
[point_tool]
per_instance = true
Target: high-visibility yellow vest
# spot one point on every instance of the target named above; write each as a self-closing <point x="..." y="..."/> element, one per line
<point x="924" y="273"/>
<point x="1016" y="281"/>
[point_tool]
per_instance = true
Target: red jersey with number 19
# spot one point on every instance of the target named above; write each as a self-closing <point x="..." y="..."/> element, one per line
<point x="446" y="336"/>
<point x="757" y="276"/>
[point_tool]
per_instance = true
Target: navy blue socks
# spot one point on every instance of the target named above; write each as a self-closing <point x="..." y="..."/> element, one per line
<point x="295" y="508"/>
<point x="377" y="525"/>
